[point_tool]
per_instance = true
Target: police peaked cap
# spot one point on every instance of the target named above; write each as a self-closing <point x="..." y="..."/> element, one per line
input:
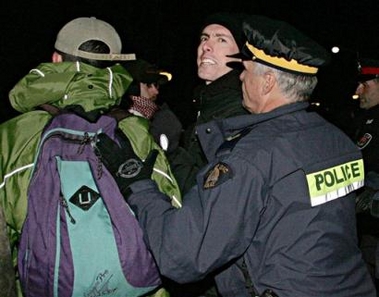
<point x="368" y="69"/>
<point x="279" y="45"/>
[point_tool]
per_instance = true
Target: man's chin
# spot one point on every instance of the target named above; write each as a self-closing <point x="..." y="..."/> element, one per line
<point x="205" y="75"/>
<point x="209" y="74"/>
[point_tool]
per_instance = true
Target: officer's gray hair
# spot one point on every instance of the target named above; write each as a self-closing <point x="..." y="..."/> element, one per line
<point x="295" y="86"/>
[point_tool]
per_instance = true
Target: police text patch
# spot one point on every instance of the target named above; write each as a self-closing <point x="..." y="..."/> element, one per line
<point x="217" y="175"/>
<point x="335" y="182"/>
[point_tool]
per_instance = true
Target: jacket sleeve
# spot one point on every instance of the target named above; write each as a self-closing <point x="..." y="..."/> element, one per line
<point x="215" y="225"/>
<point x="136" y="129"/>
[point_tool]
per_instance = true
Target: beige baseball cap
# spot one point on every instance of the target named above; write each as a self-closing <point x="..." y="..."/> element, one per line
<point x="83" y="29"/>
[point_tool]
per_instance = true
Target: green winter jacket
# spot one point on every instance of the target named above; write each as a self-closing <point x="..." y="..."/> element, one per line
<point x="70" y="83"/>
<point x="61" y="85"/>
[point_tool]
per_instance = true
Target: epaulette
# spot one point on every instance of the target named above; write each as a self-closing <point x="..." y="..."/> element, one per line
<point x="231" y="141"/>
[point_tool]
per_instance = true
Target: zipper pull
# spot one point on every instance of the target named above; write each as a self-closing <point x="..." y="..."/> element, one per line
<point x="65" y="205"/>
<point x="86" y="139"/>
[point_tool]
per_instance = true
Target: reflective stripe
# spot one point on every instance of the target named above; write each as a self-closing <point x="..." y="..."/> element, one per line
<point x="336" y="194"/>
<point x="110" y="81"/>
<point x="176" y="200"/>
<point x="335" y="182"/>
<point x="14" y="172"/>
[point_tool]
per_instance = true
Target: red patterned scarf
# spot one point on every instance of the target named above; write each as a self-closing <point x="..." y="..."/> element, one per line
<point x="144" y="106"/>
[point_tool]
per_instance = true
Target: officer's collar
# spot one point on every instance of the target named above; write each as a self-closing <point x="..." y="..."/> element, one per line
<point x="230" y="125"/>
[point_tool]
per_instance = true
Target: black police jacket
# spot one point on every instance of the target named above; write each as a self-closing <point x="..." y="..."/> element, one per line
<point x="279" y="194"/>
<point x="367" y="139"/>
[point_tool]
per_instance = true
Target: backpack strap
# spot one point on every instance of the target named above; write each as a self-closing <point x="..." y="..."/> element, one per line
<point x="119" y="114"/>
<point x="91" y="116"/>
<point x="53" y="110"/>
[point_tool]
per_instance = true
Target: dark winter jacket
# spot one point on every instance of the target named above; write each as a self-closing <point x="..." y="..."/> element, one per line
<point x="278" y="193"/>
<point x="367" y="138"/>
<point x="217" y="100"/>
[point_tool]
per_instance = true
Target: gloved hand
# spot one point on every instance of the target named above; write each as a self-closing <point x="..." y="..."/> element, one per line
<point x="121" y="161"/>
<point x="363" y="201"/>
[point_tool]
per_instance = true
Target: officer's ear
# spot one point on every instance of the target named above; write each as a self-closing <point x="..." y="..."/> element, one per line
<point x="269" y="81"/>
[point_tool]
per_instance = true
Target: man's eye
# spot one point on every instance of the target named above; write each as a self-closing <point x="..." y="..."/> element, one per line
<point x="155" y="85"/>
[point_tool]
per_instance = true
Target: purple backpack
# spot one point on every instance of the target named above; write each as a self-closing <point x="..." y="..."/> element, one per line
<point x="80" y="238"/>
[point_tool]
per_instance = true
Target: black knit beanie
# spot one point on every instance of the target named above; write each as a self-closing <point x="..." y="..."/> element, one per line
<point x="231" y="21"/>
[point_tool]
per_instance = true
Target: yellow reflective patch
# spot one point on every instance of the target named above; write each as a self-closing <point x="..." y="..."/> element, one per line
<point x="335" y="182"/>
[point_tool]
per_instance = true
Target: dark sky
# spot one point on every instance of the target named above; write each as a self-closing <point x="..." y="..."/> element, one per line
<point x="166" y="32"/>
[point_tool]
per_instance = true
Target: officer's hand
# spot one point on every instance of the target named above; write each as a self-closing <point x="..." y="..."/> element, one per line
<point x="121" y="161"/>
<point x="363" y="201"/>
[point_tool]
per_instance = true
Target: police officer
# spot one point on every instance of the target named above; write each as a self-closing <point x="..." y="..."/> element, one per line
<point x="278" y="193"/>
<point x="367" y="135"/>
<point x="367" y="139"/>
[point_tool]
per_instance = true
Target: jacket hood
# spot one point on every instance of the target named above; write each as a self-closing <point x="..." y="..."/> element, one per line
<point x="70" y="83"/>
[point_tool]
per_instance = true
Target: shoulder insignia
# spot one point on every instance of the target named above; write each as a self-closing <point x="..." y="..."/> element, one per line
<point x="364" y="140"/>
<point x="217" y="175"/>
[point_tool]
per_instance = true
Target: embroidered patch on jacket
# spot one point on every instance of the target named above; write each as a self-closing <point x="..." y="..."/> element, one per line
<point x="335" y="182"/>
<point x="364" y="140"/>
<point x="217" y="175"/>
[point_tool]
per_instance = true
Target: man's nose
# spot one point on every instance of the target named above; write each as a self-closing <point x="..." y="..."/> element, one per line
<point x="359" y="89"/>
<point x="156" y="89"/>
<point x="207" y="46"/>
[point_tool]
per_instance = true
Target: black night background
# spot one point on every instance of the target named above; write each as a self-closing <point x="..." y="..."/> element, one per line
<point x="166" y="32"/>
